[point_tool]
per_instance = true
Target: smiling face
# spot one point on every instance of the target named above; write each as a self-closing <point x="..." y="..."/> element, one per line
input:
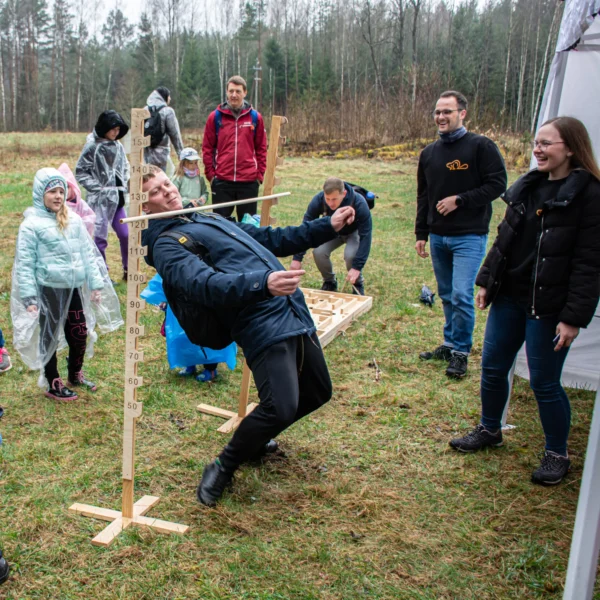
<point x="162" y="194"/>
<point x="54" y="199"/>
<point x="448" y="116"/>
<point x="235" y="95"/>
<point x="551" y="153"/>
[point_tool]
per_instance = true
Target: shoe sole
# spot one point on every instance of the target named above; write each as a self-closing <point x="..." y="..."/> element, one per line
<point x="546" y="483"/>
<point x="456" y="375"/>
<point x="471" y="451"/>
<point x="49" y="395"/>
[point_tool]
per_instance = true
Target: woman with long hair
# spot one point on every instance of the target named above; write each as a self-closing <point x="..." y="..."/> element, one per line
<point x="541" y="278"/>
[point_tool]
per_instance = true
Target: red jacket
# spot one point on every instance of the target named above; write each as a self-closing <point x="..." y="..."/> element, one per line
<point x="238" y="153"/>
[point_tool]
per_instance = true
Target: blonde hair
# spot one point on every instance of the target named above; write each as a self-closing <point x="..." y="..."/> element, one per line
<point x="62" y="216"/>
<point x="179" y="170"/>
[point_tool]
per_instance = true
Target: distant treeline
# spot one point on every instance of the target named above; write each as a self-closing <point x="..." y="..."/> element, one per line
<point x="363" y="71"/>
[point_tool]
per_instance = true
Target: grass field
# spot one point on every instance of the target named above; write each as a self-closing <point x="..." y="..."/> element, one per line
<point x="366" y="500"/>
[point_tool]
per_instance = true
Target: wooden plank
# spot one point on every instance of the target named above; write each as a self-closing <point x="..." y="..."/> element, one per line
<point x="160" y="525"/>
<point x="245" y="391"/>
<point x="108" y="534"/>
<point x="215" y="411"/>
<point x="233" y="423"/>
<point x="144" y="504"/>
<point x="269" y="180"/>
<point x="94" y="512"/>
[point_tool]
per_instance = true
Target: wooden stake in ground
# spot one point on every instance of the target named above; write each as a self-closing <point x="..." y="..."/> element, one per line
<point x="131" y="513"/>
<point x="270" y="181"/>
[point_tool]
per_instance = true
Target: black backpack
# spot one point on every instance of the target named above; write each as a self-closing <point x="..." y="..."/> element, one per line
<point x="202" y="325"/>
<point x="154" y="126"/>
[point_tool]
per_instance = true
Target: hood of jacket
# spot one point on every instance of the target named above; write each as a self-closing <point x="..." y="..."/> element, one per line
<point x="108" y="120"/>
<point x="40" y="181"/>
<point x="226" y="109"/>
<point x="155" y="99"/>
<point x="576" y="181"/>
<point x="71" y="181"/>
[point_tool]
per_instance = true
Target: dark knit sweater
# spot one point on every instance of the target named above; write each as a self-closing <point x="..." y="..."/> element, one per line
<point x="471" y="167"/>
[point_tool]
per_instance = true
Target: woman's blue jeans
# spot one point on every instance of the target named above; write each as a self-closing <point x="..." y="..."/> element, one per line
<point x="508" y="326"/>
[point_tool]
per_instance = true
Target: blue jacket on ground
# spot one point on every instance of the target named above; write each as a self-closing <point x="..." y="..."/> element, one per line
<point x="318" y="207"/>
<point x="231" y="279"/>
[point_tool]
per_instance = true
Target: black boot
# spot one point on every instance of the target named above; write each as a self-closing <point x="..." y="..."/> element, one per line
<point x="58" y="391"/>
<point x="4" y="569"/>
<point x="215" y="478"/>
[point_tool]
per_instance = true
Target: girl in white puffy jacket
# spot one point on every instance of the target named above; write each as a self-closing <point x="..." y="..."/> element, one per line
<point x="57" y="271"/>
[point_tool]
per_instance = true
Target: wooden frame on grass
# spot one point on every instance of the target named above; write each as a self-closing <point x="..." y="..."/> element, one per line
<point x="131" y="514"/>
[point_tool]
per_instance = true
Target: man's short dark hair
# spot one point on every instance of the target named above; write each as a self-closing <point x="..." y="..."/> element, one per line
<point x="153" y="171"/>
<point x="237" y="80"/>
<point x="333" y="184"/>
<point x="461" y="101"/>
<point x="165" y="92"/>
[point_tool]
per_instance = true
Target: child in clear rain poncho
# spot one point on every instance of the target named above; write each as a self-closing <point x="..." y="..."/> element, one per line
<point x="60" y="288"/>
<point x="103" y="170"/>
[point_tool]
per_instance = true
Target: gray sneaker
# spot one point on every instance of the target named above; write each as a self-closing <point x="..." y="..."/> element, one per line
<point x="5" y="363"/>
<point x="477" y="439"/>
<point x="552" y="469"/>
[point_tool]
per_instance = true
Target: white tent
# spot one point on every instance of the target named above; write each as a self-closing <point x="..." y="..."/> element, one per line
<point x="573" y="89"/>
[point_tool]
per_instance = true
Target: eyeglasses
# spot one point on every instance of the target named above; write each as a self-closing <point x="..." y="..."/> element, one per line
<point x="544" y="144"/>
<point x="446" y="113"/>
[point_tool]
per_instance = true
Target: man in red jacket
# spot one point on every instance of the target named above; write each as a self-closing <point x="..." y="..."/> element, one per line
<point x="234" y="150"/>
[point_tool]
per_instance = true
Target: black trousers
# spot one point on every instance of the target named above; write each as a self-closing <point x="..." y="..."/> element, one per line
<point x="227" y="191"/>
<point x="51" y="311"/>
<point x="292" y="381"/>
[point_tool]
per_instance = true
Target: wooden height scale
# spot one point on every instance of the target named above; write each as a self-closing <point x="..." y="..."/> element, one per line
<point x="132" y="513"/>
<point x="270" y="181"/>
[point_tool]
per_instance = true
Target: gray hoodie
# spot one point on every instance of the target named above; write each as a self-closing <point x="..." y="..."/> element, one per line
<point x="159" y="155"/>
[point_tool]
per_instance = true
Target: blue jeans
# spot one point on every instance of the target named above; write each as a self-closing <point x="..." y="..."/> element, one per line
<point x="508" y="326"/>
<point x="1" y="339"/>
<point x="456" y="260"/>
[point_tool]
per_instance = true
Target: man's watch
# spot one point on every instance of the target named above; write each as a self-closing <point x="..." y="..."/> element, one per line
<point x="459" y="201"/>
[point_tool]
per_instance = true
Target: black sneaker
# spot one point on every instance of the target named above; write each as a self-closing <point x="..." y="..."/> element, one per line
<point x="269" y="448"/>
<point x="4" y="569"/>
<point x="477" y="439"/>
<point x="552" y="469"/>
<point x="457" y="367"/>
<point x="78" y="379"/>
<point x="358" y="289"/>
<point x="329" y="286"/>
<point x="58" y="391"/>
<point x="215" y="478"/>
<point x="440" y="353"/>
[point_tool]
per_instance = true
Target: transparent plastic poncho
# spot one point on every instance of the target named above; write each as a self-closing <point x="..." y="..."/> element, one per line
<point x="49" y="264"/>
<point x="103" y="170"/>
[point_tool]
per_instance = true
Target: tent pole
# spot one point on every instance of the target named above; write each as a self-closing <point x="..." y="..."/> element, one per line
<point x="583" y="559"/>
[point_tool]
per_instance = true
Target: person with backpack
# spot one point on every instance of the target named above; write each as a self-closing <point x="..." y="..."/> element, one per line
<point x="234" y="150"/>
<point x="161" y="126"/>
<point x="356" y="236"/>
<point x="224" y="283"/>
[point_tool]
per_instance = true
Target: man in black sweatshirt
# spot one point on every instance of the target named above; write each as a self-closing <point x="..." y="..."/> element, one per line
<point x="458" y="177"/>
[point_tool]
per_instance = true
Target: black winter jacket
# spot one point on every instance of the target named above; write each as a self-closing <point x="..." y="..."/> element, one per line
<point x="566" y="275"/>
<point x="231" y="281"/>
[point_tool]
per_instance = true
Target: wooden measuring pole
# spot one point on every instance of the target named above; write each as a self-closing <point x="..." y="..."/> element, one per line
<point x="132" y="513"/>
<point x="270" y="181"/>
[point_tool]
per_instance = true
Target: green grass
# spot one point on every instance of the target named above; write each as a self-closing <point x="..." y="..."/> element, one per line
<point x="368" y="501"/>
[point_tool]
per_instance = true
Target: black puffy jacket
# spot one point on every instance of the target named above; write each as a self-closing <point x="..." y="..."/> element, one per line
<point x="566" y="274"/>
<point x="231" y="280"/>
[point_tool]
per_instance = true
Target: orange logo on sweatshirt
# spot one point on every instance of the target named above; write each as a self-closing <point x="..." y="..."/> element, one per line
<point x="456" y="165"/>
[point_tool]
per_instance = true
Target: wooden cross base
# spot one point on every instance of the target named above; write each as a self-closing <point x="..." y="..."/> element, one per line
<point x="119" y="523"/>
<point x="233" y="418"/>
